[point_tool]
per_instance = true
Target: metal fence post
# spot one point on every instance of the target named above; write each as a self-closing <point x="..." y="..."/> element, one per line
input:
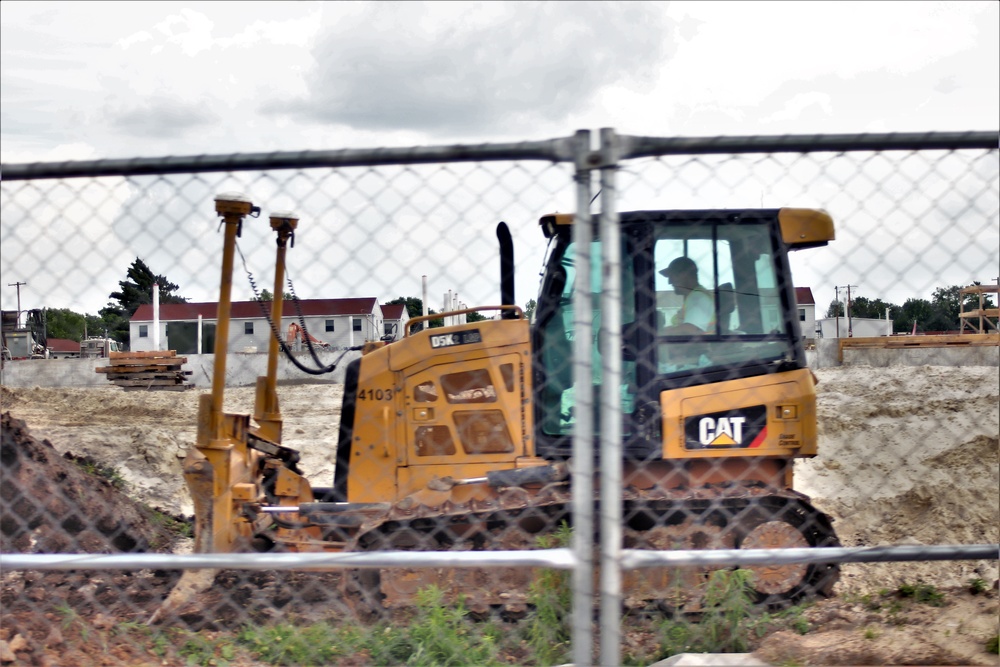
<point x="583" y="435"/>
<point x="611" y="417"/>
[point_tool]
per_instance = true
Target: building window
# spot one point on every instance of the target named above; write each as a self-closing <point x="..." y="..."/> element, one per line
<point x="329" y="325"/>
<point x="357" y="324"/>
<point x="143" y="331"/>
<point x="802" y="314"/>
<point x="248" y="328"/>
<point x="389" y="328"/>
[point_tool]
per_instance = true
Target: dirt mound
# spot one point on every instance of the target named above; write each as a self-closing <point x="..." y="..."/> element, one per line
<point x="908" y="455"/>
<point x="890" y="629"/>
<point x="51" y="504"/>
<point x="57" y="504"/>
<point x="144" y="436"/>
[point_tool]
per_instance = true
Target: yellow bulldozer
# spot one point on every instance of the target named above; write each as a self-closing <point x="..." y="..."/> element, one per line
<point x="457" y="438"/>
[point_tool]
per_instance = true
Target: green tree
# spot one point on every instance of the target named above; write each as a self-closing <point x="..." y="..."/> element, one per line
<point x="135" y="290"/>
<point x="919" y="311"/>
<point x="971" y="301"/>
<point x="529" y="309"/>
<point x="940" y="313"/>
<point x="871" y="308"/>
<point x="68" y="324"/>
<point x="415" y="308"/>
<point x="947" y="305"/>
<point x="902" y="322"/>
<point x="876" y="309"/>
<point x="265" y="295"/>
<point x="64" y="323"/>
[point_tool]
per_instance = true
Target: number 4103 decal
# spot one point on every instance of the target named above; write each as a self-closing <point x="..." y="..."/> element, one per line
<point x="375" y="395"/>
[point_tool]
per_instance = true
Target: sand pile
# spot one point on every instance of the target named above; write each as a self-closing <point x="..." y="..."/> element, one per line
<point x="908" y="455"/>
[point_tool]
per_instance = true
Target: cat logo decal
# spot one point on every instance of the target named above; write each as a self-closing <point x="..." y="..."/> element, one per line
<point x="745" y="428"/>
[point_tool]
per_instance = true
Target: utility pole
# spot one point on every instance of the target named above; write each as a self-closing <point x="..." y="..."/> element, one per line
<point x="18" y="286"/>
<point x="836" y="309"/>
<point x="850" y="331"/>
<point x="837" y="288"/>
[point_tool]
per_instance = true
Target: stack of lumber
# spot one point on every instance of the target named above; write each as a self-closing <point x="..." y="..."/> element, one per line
<point x="147" y="371"/>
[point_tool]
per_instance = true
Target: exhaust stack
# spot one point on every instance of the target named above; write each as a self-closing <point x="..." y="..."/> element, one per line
<point x="506" y="269"/>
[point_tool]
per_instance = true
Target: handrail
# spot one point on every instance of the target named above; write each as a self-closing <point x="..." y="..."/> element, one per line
<point x="518" y="313"/>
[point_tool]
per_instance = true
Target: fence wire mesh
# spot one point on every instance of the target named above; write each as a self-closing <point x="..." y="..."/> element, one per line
<point x="424" y="501"/>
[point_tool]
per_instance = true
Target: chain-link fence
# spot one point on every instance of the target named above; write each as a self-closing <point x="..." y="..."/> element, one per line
<point x="431" y="499"/>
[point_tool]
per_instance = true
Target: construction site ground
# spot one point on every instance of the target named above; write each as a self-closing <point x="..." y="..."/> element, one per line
<point x="908" y="455"/>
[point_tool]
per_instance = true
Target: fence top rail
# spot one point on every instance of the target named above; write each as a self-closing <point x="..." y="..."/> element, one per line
<point x="561" y="558"/>
<point x="633" y="146"/>
<point x="554" y="150"/>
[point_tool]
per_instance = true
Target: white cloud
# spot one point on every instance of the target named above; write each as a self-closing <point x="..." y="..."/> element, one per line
<point x="191" y="30"/>
<point x="304" y="75"/>
<point x="172" y="79"/>
<point x="795" y="107"/>
<point x="156" y="68"/>
<point x="742" y="55"/>
<point x="59" y="153"/>
<point x="162" y="117"/>
<point x="134" y="38"/>
<point x="488" y="68"/>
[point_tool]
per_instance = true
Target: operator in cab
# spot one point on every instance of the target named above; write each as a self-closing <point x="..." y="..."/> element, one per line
<point x="697" y="313"/>
<point x="696" y="317"/>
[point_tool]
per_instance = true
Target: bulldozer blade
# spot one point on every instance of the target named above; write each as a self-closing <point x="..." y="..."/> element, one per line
<point x="191" y="584"/>
<point x="200" y="479"/>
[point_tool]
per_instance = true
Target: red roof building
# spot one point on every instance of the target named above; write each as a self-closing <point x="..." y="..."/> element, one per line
<point x="189" y="328"/>
<point x="62" y="348"/>
<point x="395" y="317"/>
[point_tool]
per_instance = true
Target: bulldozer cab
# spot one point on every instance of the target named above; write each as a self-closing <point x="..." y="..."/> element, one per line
<point x="707" y="298"/>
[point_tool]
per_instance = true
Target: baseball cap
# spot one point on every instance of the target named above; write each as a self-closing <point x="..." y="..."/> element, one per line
<point x="680" y="265"/>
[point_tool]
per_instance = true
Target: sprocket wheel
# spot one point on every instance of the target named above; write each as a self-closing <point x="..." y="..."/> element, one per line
<point x="776" y="579"/>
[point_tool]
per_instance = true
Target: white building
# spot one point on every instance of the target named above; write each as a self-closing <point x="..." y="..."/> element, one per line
<point x="806" y="306"/>
<point x="395" y="317"/>
<point x="189" y="328"/>
<point x="857" y="327"/>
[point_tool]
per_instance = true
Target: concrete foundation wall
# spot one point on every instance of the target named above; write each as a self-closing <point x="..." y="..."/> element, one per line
<point x="826" y="355"/>
<point x="930" y="356"/>
<point x="241" y="370"/>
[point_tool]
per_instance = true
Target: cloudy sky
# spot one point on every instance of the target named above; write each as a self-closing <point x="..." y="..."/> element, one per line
<point x="96" y="80"/>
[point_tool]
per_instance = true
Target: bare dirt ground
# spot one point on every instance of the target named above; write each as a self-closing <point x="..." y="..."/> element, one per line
<point x="908" y="455"/>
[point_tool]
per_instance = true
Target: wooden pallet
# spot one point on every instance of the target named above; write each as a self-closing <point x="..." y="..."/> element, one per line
<point x="147" y="371"/>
